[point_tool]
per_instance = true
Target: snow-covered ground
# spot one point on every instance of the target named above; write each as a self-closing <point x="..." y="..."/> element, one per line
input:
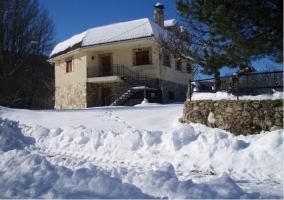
<point x="133" y="152"/>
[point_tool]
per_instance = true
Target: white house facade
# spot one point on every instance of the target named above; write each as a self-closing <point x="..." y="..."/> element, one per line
<point x="106" y="66"/>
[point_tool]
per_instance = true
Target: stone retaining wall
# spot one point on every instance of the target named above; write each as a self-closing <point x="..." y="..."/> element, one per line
<point x="239" y="117"/>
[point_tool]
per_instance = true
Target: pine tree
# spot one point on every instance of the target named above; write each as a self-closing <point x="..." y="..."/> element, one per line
<point x="230" y="33"/>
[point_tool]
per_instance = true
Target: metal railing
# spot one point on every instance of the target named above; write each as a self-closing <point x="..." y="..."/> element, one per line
<point x="109" y="99"/>
<point x="133" y="78"/>
<point x="246" y="84"/>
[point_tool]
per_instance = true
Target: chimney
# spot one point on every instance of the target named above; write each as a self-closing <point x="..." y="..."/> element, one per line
<point x="159" y="14"/>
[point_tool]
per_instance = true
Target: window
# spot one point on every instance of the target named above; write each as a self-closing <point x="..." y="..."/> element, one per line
<point x="69" y="67"/>
<point x="142" y="58"/>
<point x="167" y="61"/>
<point x="178" y="65"/>
<point x="188" y="68"/>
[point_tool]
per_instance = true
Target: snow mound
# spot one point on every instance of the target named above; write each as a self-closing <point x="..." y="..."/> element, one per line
<point x="29" y="175"/>
<point x="222" y="188"/>
<point x="117" y="153"/>
<point x="11" y="136"/>
<point x="226" y="96"/>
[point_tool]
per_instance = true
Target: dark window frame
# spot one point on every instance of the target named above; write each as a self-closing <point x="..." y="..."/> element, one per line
<point x="166" y="60"/>
<point x="188" y="68"/>
<point x="178" y="65"/>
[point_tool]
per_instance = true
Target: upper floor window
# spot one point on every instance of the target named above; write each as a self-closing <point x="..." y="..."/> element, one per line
<point x="188" y="68"/>
<point x="178" y="65"/>
<point x="166" y="60"/>
<point x="142" y="56"/>
<point x="69" y="66"/>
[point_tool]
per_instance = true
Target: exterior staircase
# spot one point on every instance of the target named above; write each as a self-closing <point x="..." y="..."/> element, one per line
<point x="123" y="98"/>
<point x="134" y="80"/>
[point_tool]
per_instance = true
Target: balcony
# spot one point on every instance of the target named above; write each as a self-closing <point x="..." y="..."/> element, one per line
<point x="103" y="71"/>
<point x="119" y="73"/>
<point x="103" y="74"/>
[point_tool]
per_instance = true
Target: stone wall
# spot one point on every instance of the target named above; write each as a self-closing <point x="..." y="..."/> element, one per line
<point x="118" y="88"/>
<point x="70" y="96"/>
<point x="239" y="117"/>
<point x="94" y="97"/>
<point x="177" y="89"/>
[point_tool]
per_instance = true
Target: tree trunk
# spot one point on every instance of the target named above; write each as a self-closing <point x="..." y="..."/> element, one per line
<point x="217" y="81"/>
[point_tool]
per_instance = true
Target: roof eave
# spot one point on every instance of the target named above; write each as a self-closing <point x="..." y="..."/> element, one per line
<point x="62" y="54"/>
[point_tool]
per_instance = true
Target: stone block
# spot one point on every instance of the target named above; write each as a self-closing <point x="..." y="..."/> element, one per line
<point x="278" y="115"/>
<point x="225" y="127"/>
<point x="196" y="108"/>
<point x="268" y="122"/>
<point x="274" y="128"/>
<point x="239" y="108"/>
<point x="229" y="110"/>
<point x="278" y="122"/>
<point x="246" y="114"/>
<point x="255" y="105"/>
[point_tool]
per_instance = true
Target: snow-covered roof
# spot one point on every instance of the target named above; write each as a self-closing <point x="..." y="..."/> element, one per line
<point x="121" y="31"/>
<point x="111" y="33"/>
<point x="170" y="22"/>
<point x="68" y="43"/>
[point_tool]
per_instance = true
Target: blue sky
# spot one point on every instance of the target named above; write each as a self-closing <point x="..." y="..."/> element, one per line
<point x="76" y="16"/>
<point x="72" y="17"/>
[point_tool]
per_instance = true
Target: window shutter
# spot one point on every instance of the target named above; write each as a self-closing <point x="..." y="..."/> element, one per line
<point x="69" y="66"/>
<point x="142" y="58"/>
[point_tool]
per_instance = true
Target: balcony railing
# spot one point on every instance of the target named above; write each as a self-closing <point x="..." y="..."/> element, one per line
<point x="134" y="79"/>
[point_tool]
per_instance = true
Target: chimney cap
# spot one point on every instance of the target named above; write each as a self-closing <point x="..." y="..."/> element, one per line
<point x="159" y="5"/>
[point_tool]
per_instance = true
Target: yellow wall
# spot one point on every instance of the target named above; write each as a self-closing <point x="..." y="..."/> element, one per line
<point x="79" y="74"/>
<point x="122" y="54"/>
<point x="173" y="75"/>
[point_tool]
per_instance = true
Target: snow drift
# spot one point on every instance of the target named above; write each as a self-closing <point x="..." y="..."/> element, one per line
<point x="147" y="156"/>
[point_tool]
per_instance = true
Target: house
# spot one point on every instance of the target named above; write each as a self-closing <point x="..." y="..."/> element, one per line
<point x="119" y="64"/>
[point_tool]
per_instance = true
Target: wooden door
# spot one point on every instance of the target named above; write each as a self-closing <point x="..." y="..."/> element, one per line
<point x="105" y="93"/>
<point x="106" y="66"/>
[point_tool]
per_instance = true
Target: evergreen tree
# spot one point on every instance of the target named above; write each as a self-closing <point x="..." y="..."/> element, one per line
<point x="230" y="33"/>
